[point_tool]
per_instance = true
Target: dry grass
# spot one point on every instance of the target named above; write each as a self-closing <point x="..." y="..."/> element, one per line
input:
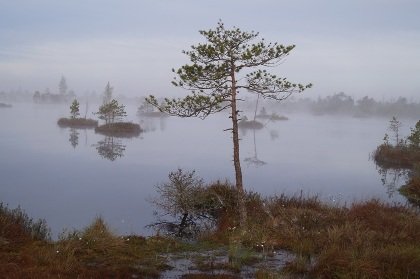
<point x="365" y="240"/>
<point x="92" y="253"/>
<point x="368" y="240"/>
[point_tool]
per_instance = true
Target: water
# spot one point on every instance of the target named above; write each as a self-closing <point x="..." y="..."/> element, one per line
<point x="58" y="174"/>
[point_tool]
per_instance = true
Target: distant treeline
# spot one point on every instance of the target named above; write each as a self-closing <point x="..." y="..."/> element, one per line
<point x="53" y="98"/>
<point x="47" y="97"/>
<point x="342" y="104"/>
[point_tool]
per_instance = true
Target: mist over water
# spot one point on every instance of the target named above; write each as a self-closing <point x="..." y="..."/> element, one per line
<point x="70" y="176"/>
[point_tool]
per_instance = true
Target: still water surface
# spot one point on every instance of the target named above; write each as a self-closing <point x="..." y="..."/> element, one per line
<point x="69" y="177"/>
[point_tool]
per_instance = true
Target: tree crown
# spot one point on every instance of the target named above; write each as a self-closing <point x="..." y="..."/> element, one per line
<point x="74" y="109"/>
<point x="112" y="111"/>
<point x="229" y="60"/>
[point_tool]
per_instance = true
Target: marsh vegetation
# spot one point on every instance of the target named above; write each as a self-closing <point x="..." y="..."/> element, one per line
<point x="299" y="235"/>
<point x="402" y="154"/>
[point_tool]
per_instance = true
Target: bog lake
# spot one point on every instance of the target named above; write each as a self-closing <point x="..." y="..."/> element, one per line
<point x="68" y="177"/>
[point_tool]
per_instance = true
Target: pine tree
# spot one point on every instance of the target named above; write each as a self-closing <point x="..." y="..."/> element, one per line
<point x="230" y="60"/>
<point x="111" y="112"/>
<point x="414" y="138"/>
<point x="74" y="109"/>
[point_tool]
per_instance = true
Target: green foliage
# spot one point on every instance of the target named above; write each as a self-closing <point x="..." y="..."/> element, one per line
<point x="74" y="109"/>
<point x="230" y="60"/>
<point x="414" y="138"/>
<point x="111" y="112"/>
<point x="16" y="225"/>
<point x="394" y="126"/>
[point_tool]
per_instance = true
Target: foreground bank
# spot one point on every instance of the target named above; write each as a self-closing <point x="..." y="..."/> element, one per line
<point x="365" y="240"/>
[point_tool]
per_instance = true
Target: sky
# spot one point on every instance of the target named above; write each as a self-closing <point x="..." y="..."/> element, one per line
<point x="359" y="47"/>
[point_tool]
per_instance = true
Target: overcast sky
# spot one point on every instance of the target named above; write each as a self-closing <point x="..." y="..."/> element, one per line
<point x="360" y="47"/>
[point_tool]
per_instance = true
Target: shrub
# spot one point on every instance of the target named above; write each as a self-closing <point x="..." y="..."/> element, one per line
<point x="15" y="225"/>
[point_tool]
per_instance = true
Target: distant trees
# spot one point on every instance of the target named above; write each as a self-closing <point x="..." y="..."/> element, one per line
<point x="74" y="109"/>
<point x="111" y="112"/>
<point x="107" y="96"/>
<point x="63" y="95"/>
<point x="62" y="86"/>
<point x="36" y="97"/>
<point x="338" y="103"/>
<point x="366" y="106"/>
<point x="343" y="104"/>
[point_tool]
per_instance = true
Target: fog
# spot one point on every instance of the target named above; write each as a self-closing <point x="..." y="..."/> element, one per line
<point x="68" y="176"/>
<point x="362" y="57"/>
<point x="360" y="48"/>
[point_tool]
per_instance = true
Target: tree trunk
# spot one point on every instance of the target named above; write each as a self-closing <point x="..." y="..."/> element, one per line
<point x="236" y="160"/>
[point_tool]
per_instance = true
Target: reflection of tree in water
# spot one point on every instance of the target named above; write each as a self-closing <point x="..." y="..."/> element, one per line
<point x="274" y="134"/>
<point x="110" y="148"/>
<point x="74" y="137"/>
<point x="148" y="124"/>
<point x="253" y="160"/>
<point x="393" y="179"/>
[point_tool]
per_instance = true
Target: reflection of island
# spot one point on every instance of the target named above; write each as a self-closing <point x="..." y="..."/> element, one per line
<point x="149" y="124"/>
<point x="119" y="129"/>
<point x="110" y="148"/>
<point x="254" y="159"/>
<point x="3" y="105"/>
<point x="392" y="179"/>
<point x="74" y="137"/>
